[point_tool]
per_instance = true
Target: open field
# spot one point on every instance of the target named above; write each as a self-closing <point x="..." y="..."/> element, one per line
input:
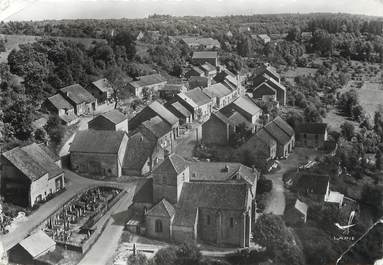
<point x="13" y="42"/>
<point x="370" y="97"/>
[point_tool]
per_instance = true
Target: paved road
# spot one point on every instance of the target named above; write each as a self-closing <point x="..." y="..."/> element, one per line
<point x="276" y="202"/>
<point x="76" y="184"/>
<point x="104" y="248"/>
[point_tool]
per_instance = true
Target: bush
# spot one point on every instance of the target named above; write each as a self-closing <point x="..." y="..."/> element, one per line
<point x="264" y="185"/>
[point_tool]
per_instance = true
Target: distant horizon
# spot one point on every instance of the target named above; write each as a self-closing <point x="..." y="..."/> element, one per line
<point x="40" y="10"/>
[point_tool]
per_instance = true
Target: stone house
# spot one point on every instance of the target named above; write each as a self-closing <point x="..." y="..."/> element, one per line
<point x="169" y="91"/>
<point x="29" y="174"/>
<point x="268" y="70"/>
<point x="315" y="185"/>
<point x="199" y="81"/>
<point x="142" y="155"/>
<point x="246" y="107"/>
<point x="311" y="134"/>
<point x="194" y="71"/>
<point x="151" y="83"/>
<point x="200" y="42"/>
<point x="182" y="113"/>
<point x="158" y="220"/>
<point x="197" y="102"/>
<point x="99" y="153"/>
<point x="283" y="134"/>
<point x="58" y="105"/>
<point x="267" y="88"/>
<point x="102" y="90"/>
<point x="208" y="69"/>
<point x="82" y="101"/>
<point x="153" y="110"/>
<point x="112" y="120"/>
<point x="220" y="94"/>
<point x="202" y="57"/>
<point x="264" y="38"/>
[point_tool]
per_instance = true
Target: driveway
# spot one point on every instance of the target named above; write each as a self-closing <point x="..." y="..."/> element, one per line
<point x="275" y="202"/>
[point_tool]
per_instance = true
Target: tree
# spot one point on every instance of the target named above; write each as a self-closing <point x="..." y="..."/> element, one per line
<point x="166" y="256"/>
<point x="126" y="39"/>
<point x="264" y="185"/>
<point x="55" y="130"/>
<point x="244" y="46"/>
<point x="19" y="117"/>
<point x="378" y="160"/>
<point x="294" y="34"/>
<point x="347" y="130"/>
<point x="312" y="114"/>
<point x="137" y="259"/>
<point x="347" y="101"/>
<point x="372" y="195"/>
<point x="40" y="135"/>
<point x="188" y="254"/>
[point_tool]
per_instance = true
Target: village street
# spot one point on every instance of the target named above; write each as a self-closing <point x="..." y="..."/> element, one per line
<point x="275" y="202"/>
<point x="75" y="184"/>
<point x="185" y="144"/>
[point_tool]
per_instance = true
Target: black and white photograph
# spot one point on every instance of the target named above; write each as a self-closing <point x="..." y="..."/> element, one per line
<point x="191" y="132"/>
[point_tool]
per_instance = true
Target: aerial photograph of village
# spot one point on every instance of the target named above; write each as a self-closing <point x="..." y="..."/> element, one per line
<point x="191" y="132"/>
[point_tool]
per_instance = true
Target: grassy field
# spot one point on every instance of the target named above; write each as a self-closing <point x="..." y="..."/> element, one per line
<point x="370" y="97"/>
<point x="13" y="42"/>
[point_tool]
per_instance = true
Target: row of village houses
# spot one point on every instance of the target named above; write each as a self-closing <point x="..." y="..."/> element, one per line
<point x="182" y="200"/>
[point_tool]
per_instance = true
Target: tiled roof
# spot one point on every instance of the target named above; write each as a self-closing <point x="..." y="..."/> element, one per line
<point x="218" y="90"/>
<point x="221" y="172"/>
<point x="205" y="54"/>
<point x="284" y="126"/>
<point x="314" y="183"/>
<point x="114" y="116"/>
<point x="208" y="67"/>
<point x="60" y="102"/>
<point x="197" y="96"/>
<point x="196" y="41"/>
<point x="162" y="209"/>
<point x="37" y="243"/>
<point x="248" y="105"/>
<point x="148" y="80"/>
<point x="103" y="85"/>
<point x="263" y="136"/>
<point x="156" y="126"/>
<point x="277" y="133"/>
<point x="92" y="141"/>
<point x="268" y="69"/>
<point x="266" y="85"/>
<point x="172" y="165"/>
<point x="197" y="69"/>
<point x="78" y="94"/>
<point x="221" y="117"/>
<point x="33" y="161"/>
<point x="181" y="109"/>
<point x="145" y="192"/>
<point x="163" y="112"/>
<point x="138" y="150"/>
<point x="173" y="87"/>
<point x="224" y="196"/>
<point x="313" y="128"/>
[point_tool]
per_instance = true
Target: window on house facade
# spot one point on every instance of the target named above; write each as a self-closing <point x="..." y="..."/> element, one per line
<point x="208" y="220"/>
<point x="158" y="226"/>
<point x="231" y="222"/>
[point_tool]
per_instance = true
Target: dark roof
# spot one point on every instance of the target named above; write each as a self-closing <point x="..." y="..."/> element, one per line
<point x="221" y="172"/>
<point x="264" y="137"/>
<point x="224" y="196"/>
<point x="313" y="128"/>
<point x="180" y="109"/>
<point x="208" y="67"/>
<point x="277" y="133"/>
<point x="92" y="141"/>
<point x="197" y="96"/>
<point x="268" y="69"/>
<point x="156" y="126"/>
<point x="163" y="112"/>
<point x="147" y="80"/>
<point x="314" y="183"/>
<point x="205" y="54"/>
<point x="115" y="116"/>
<point x="281" y="123"/>
<point x="220" y="116"/>
<point x="138" y="150"/>
<point x="173" y="87"/>
<point x="162" y="209"/>
<point x="103" y="85"/>
<point x="172" y="165"/>
<point x="59" y="102"/>
<point x="197" y="69"/>
<point x="77" y="94"/>
<point x="145" y="192"/>
<point x="33" y="161"/>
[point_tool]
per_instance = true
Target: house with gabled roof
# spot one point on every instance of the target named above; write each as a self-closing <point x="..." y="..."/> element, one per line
<point x="267" y="88"/>
<point x="171" y="90"/>
<point x="153" y="82"/>
<point x="283" y="134"/>
<point x="311" y="134"/>
<point x="312" y="184"/>
<point x="202" y="57"/>
<point x="198" y="42"/>
<point x="82" y="101"/>
<point x="197" y="102"/>
<point x="182" y="113"/>
<point x="102" y="90"/>
<point x="141" y="156"/>
<point x="112" y="120"/>
<point x="194" y="71"/>
<point x="247" y="107"/>
<point x="58" y="105"/>
<point x="30" y="174"/>
<point x="263" y="37"/>
<point x="159" y="220"/>
<point x="98" y="153"/>
<point x="220" y="94"/>
<point x="199" y="81"/>
<point x="152" y="110"/>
